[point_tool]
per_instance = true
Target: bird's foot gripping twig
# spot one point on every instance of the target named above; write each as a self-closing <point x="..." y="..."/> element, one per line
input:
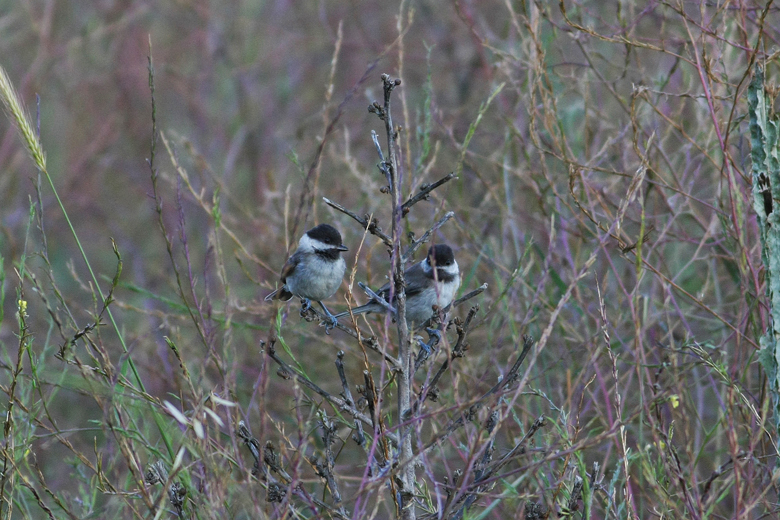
<point x="426" y="349"/>
<point x="330" y="320"/>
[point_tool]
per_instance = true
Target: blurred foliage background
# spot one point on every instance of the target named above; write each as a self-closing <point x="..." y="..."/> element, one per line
<point x="573" y="134"/>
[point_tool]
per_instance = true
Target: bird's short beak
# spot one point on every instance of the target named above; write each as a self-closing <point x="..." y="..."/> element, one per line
<point x="342" y="247"/>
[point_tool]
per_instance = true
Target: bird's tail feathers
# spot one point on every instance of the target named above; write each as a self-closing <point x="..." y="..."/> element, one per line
<point x="279" y="294"/>
<point x="357" y="310"/>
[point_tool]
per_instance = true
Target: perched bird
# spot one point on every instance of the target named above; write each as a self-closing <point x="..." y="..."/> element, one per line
<point x="434" y="281"/>
<point x="315" y="270"/>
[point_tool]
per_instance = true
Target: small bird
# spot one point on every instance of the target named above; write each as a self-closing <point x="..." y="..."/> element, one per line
<point x="315" y="270"/>
<point x="434" y="281"/>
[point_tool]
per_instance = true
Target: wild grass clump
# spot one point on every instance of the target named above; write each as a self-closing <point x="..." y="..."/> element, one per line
<point x="590" y="164"/>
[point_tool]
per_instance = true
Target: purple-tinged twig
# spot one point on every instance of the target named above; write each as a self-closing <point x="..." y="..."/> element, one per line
<point x="719" y="471"/>
<point x="487" y="455"/>
<point x="511" y="377"/>
<point x="338" y="402"/>
<point x="168" y="240"/>
<point x="307" y="197"/>
<point x="484" y="475"/>
<point x="201" y="325"/>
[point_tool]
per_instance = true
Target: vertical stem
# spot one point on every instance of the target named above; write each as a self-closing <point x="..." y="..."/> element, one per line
<point x="404" y="377"/>
<point x="765" y="149"/>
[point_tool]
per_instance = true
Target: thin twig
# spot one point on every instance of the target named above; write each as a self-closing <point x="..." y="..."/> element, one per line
<point x="383" y="165"/>
<point x="376" y="298"/>
<point x="481" y="466"/>
<point x="276" y="492"/>
<point x="252" y="443"/>
<point x="506" y="382"/>
<point x="372" y="399"/>
<point x="482" y="477"/>
<point x="391" y="165"/>
<point x="326" y="471"/>
<point x="458" y="351"/>
<point x="340" y="403"/>
<point x="307" y="196"/>
<point x="359" y="436"/>
<point x="425" y="191"/>
<point x="415" y="245"/>
<point x="368" y="223"/>
<point x="311" y="313"/>
<point x="476" y="292"/>
<point x="424" y="354"/>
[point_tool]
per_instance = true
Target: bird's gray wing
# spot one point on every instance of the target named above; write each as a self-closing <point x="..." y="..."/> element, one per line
<point x="415" y="277"/>
<point x="413" y="273"/>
